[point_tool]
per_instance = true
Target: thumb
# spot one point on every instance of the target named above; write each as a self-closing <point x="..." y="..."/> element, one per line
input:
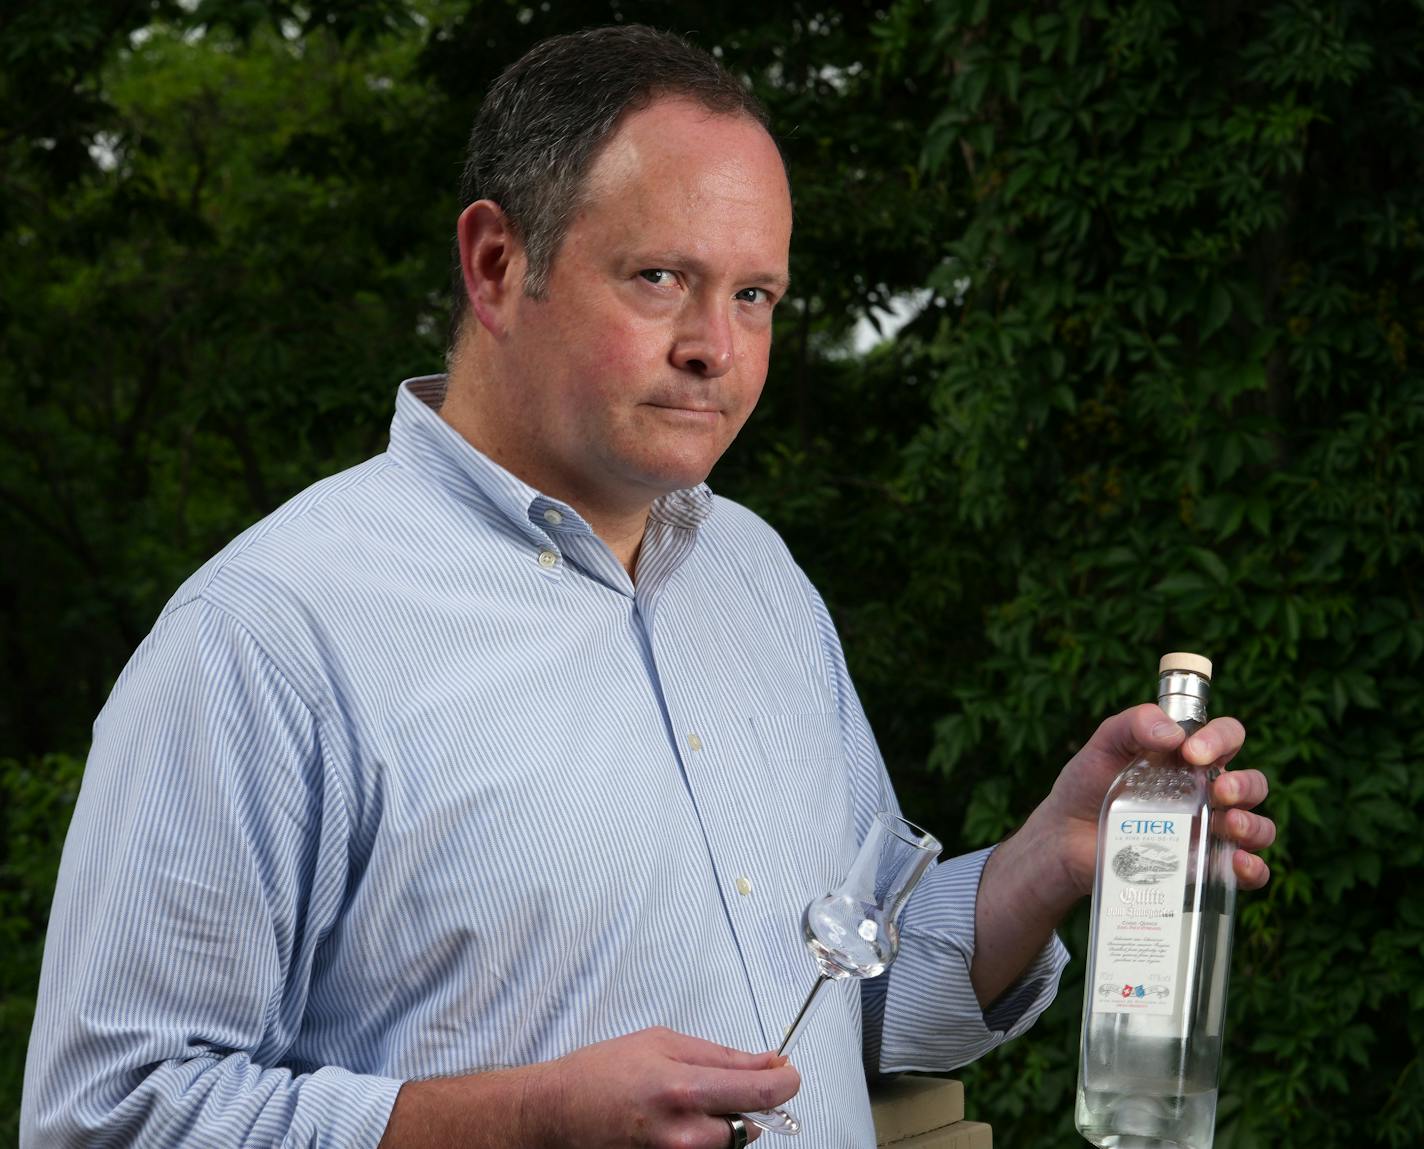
<point x="695" y="1051"/>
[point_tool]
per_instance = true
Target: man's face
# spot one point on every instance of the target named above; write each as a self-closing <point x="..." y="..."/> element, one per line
<point x="649" y="350"/>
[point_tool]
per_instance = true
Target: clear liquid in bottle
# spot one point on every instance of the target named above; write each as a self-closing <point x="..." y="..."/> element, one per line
<point x="1160" y="949"/>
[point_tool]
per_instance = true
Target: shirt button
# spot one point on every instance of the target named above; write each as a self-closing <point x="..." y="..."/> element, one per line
<point x="744" y="887"/>
<point x="547" y="559"/>
<point x="694" y="742"/>
<point x="552" y="517"/>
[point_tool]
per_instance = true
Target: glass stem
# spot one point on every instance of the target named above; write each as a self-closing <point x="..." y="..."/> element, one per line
<point x="798" y="1027"/>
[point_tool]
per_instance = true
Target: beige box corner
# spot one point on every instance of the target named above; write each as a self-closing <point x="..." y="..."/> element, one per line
<point x="960" y="1135"/>
<point x="911" y="1106"/>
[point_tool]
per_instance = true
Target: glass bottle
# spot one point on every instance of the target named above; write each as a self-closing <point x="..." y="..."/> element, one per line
<point x="1154" y="1001"/>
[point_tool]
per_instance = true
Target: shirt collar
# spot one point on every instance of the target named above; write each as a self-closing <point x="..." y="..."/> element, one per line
<point x="420" y="438"/>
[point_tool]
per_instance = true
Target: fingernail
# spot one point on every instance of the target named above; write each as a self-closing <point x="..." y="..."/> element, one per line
<point x="1163" y="729"/>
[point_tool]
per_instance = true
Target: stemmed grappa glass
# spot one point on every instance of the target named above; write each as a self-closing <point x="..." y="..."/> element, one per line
<point x="852" y="930"/>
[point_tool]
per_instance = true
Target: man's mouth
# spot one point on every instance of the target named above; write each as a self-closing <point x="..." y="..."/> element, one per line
<point x="687" y="407"/>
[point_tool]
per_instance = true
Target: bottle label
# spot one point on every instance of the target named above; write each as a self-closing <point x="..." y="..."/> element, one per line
<point x="1140" y="913"/>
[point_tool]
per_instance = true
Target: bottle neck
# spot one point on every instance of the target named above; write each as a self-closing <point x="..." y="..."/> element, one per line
<point x="1184" y="696"/>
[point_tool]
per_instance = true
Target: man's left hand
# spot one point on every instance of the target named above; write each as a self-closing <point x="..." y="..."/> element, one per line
<point x="1034" y="877"/>
<point x="1073" y="806"/>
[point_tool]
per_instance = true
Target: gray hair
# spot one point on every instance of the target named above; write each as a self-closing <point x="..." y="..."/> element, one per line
<point x="544" y="120"/>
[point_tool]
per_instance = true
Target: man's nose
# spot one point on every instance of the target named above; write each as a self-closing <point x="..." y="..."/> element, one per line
<point x="704" y="342"/>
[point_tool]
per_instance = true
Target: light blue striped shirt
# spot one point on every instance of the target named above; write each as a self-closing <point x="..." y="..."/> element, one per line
<point x="412" y="779"/>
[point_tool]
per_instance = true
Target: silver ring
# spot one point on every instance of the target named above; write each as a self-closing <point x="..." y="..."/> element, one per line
<point x="739" y="1131"/>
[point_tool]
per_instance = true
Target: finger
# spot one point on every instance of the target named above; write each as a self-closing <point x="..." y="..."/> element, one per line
<point x="1249" y="832"/>
<point x="723" y="1136"/>
<point x="1251" y="872"/>
<point x="1244" y="788"/>
<point x="1215" y="744"/>
<point x="742" y="1091"/>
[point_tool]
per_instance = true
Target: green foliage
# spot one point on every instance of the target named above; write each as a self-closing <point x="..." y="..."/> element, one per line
<point x="197" y="324"/>
<point x="1171" y="397"/>
<point x="36" y="800"/>
<point x="1162" y="389"/>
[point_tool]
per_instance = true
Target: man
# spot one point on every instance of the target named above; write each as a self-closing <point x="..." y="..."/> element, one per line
<point x="472" y="798"/>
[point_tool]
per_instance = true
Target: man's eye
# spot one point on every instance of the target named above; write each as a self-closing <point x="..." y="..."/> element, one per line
<point x="753" y="295"/>
<point x="658" y="275"/>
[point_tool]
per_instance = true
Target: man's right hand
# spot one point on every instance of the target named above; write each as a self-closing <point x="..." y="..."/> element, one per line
<point x="654" y="1088"/>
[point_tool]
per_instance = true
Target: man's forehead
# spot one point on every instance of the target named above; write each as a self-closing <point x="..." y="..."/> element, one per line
<point x="678" y="131"/>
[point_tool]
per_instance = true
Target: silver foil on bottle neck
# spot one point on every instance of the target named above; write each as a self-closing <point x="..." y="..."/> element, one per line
<point x="1184" y="695"/>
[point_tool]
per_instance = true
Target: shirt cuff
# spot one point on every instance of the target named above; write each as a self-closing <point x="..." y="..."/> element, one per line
<point x="932" y="1020"/>
<point x="338" y="1107"/>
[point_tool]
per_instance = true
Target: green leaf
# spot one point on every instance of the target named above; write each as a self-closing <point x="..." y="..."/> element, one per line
<point x="1218" y="311"/>
<point x="1263" y="611"/>
<point x="1227" y="511"/>
<point x="1362" y="689"/>
<point x="1012" y="73"/>
<point x="1386" y="643"/>
<point x="988" y="817"/>
<point x="1021" y="176"/>
<point x="1258" y="510"/>
<point x="1300" y="794"/>
<point x="1181" y="582"/>
<point x="1211" y="564"/>
<point x="976" y="84"/>
<point x="1229" y="455"/>
<point x="1292" y="620"/>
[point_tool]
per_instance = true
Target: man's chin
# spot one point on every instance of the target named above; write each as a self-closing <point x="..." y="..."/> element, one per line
<point x="665" y="480"/>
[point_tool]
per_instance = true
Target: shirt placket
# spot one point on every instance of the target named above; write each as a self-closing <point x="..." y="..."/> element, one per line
<point x="720" y="760"/>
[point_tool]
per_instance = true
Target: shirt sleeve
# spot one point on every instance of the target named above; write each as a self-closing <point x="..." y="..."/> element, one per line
<point x="922" y="1014"/>
<point x="931" y="1018"/>
<point x="205" y="860"/>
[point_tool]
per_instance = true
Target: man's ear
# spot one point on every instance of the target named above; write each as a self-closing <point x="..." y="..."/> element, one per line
<point x="492" y="263"/>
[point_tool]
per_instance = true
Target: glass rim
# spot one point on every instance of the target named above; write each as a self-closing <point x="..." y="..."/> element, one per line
<point x="896" y="824"/>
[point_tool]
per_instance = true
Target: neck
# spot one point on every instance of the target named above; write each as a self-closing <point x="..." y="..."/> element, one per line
<point x="620" y="526"/>
<point x="625" y="543"/>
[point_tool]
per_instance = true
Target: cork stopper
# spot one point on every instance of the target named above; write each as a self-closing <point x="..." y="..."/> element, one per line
<point x="1182" y="661"/>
